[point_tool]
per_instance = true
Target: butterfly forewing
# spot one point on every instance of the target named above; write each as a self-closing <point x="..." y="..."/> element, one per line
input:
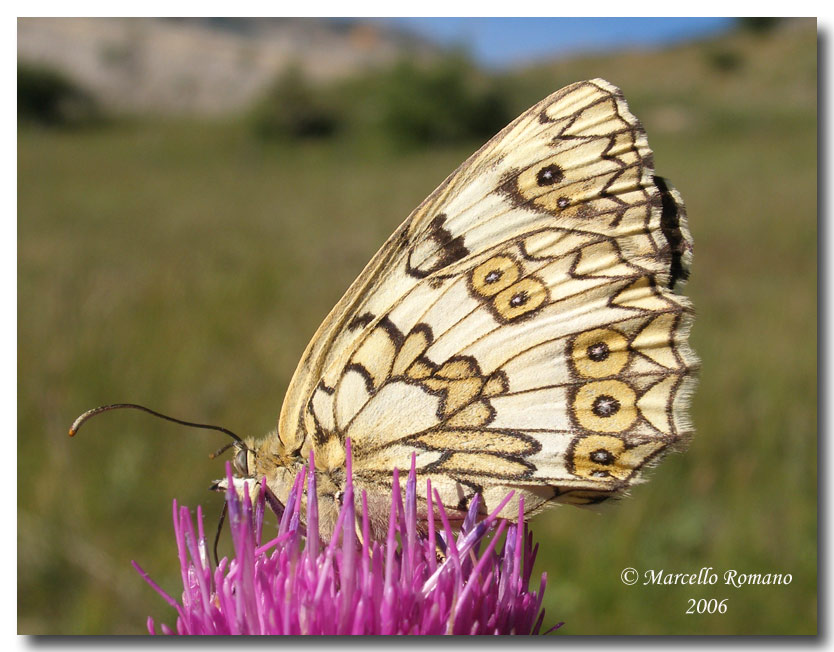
<point x="520" y="330"/>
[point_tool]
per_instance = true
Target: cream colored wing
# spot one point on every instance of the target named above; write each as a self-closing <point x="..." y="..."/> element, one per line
<point x="521" y="328"/>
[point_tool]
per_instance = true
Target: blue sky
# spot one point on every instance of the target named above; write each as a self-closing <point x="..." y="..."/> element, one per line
<point x="501" y="42"/>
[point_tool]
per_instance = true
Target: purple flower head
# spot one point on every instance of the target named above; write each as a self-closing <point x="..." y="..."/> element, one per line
<point x="411" y="583"/>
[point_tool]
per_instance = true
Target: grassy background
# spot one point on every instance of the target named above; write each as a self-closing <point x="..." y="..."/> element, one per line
<point x="184" y="266"/>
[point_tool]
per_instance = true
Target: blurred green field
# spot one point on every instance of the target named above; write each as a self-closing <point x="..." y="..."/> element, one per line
<point x="184" y="266"/>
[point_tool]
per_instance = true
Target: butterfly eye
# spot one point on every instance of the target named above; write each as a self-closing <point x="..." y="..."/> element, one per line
<point x="241" y="462"/>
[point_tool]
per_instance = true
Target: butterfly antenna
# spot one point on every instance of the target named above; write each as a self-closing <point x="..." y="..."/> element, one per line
<point x="117" y="406"/>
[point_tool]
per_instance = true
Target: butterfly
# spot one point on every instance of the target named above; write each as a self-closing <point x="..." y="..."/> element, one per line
<point x="521" y="331"/>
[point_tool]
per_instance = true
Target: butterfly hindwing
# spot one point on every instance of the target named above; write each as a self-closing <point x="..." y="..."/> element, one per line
<point x="520" y="330"/>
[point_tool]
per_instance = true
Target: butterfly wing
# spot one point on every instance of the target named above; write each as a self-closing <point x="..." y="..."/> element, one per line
<point x="521" y="328"/>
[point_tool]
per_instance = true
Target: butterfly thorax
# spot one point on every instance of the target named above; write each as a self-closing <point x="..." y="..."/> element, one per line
<point x="270" y="459"/>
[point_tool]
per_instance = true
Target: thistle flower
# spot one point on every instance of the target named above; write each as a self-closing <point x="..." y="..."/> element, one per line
<point x="397" y="586"/>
